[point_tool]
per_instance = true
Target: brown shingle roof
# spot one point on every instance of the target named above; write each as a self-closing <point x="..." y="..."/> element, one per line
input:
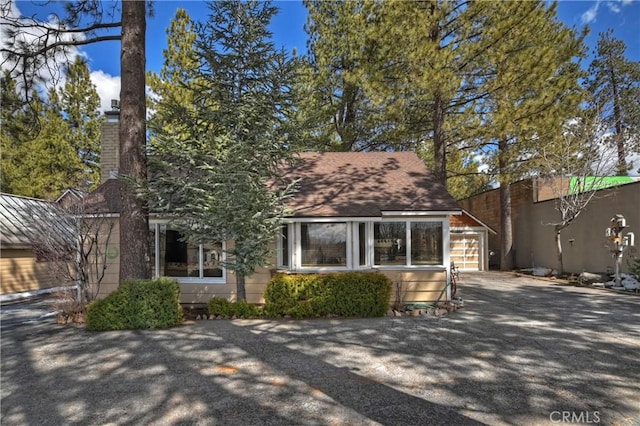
<point x="105" y="198"/>
<point x="339" y="184"/>
<point x="361" y="184"/>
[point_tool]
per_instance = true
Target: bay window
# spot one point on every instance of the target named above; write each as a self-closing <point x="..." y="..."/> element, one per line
<point x="349" y="245"/>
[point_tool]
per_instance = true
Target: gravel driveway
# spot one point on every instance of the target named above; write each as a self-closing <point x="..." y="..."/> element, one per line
<point x="522" y="351"/>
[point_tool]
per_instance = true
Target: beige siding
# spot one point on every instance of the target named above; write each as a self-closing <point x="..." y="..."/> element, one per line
<point x="417" y="286"/>
<point x="112" y="273"/>
<point x="255" y="285"/>
<point x="20" y="271"/>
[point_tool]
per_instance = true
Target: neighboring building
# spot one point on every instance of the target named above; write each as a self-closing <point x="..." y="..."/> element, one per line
<point x="21" y="269"/>
<point x="353" y="211"/>
<point x="584" y="242"/>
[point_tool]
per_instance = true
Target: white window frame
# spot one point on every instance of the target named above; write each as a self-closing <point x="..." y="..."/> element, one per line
<point x="353" y="249"/>
<point x="155" y="225"/>
<point x="280" y="245"/>
<point x="408" y="222"/>
<point x="296" y="263"/>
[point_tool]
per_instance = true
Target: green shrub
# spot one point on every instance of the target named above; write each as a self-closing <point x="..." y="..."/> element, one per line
<point x="359" y="294"/>
<point x="634" y="267"/>
<point x="284" y="292"/>
<point x="137" y="304"/>
<point x="245" y="309"/>
<point x="219" y="306"/>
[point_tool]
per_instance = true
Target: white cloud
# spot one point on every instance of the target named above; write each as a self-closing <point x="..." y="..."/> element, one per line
<point x="616" y="6"/>
<point x="591" y="14"/>
<point x="51" y="71"/>
<point x="613" y="7"/>
<point x="108" y="88"/>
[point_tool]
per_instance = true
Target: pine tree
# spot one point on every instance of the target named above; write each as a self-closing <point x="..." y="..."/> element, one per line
<point x="532" y="89"/>
<point x="338" y="116"/>
<point x="80" y="102"/>
<point x="614" y="82"/>
<point x="48" y="163"/>
<point x="401" y="76"/>
<point x="45" y="53"/>
<point x="174" y="97"/>
<point x="51" y="145"/>
<point x="215" y="175"/>
<point x="16" y="126"/>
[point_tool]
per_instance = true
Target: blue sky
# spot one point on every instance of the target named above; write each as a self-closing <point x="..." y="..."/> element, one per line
<point x="623" y="16"/>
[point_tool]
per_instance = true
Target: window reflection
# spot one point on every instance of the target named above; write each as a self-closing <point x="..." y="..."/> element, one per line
<point x="324" y="244"/>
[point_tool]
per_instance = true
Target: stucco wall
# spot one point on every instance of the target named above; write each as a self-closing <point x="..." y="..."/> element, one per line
<point x="535" y="245"/>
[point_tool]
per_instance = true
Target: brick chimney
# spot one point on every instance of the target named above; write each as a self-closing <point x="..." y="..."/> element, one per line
<point x="110" y="143"/>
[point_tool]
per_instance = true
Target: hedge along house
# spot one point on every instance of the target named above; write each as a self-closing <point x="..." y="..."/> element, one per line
<point x="353" y="211"/>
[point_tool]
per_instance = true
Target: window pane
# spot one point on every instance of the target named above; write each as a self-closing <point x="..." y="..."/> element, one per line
<point x="211" y="258"/>
<point x="362" y="243"/>
<point x="176" y="256"/>
<point x="324" y="244"/>
<point x="152" y="240"/>
<point x="390" y="247"/>
<point x="179" y="259"/>
<point x="285" y="245"/>
<point x="193" y="262"/>
<point x="426" y="243"/>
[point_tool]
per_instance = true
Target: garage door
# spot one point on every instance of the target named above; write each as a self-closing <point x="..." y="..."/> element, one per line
<point x="465" y="251"/>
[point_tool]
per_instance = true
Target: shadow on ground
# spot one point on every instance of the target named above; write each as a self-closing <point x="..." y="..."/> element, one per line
<point x="518" y="352"/>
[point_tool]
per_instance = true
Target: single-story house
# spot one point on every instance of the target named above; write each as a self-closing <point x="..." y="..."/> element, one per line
<point x="381" y="211"/>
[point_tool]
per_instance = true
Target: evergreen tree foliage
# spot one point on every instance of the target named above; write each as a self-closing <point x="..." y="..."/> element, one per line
<point x="81" y="105"/>
<point x="173" y="91"/>
<point x="614" y="82"/>
<point x="338" y="115"/>
<point x="51" y="144"/>
<point x="48" y="163"/>
<point x="531" y="85"/>
<point x="40" y="58"/>
<point x="16" y="125"/>
<point x="399" y="75"/>
<point x="217" y="173"/>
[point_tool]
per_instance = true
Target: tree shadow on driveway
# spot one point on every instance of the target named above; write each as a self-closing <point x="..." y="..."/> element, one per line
<point x="515" y="354"/>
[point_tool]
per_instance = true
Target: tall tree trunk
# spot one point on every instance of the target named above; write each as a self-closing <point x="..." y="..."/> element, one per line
<point x="506" y="226"/>
<point x="439" y="146"/>
<point x="134" y="217"/>
<point x="617" y="118"/>
<point x="559" y="251"/>
<point x="241" y="293"/>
